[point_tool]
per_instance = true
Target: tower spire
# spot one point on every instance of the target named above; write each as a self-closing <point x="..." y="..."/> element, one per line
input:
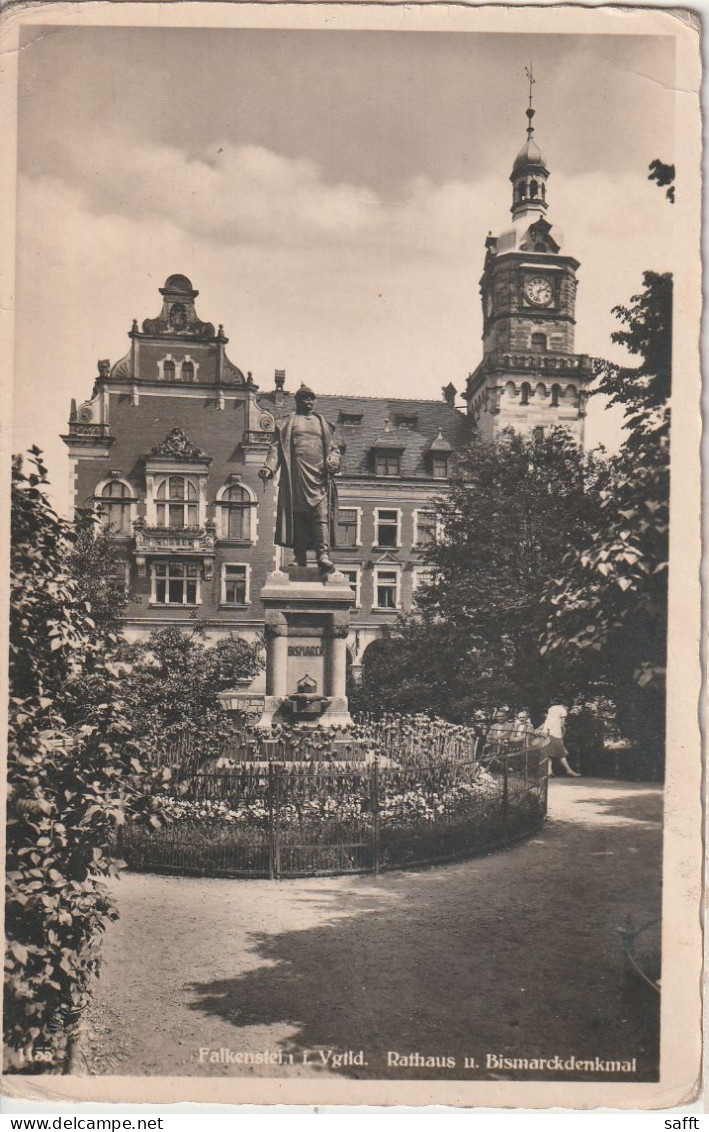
<point x="529" y="172"/>
<point x="529" y="72"/>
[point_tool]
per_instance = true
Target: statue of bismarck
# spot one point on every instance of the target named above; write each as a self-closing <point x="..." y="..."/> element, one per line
<point x="307" y="456"/>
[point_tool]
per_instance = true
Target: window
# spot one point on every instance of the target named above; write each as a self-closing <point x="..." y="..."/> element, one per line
<point x="406" y="420"/>
<point x="350" y="418"/>
<point x="538" y="434"/>
<point x="386" y="589"/>
<point x="387" y="463"/>
<point x="424" y="528"/>
<point x="168" y="370"/>
<point x="555" y="394"/>
<point x="525" y="391"/>
<point x="352" y="576"/>
<point x="236" y="504"/>
<point x="533" y="189"/>
<point x="522" y="190"/>
<point x="177" y="503"/>
<point x="175" y="583"/>
<point x="386" y="526"/>
<point x="114" y="506"/>
<point x="348" y="526"/>
<point x="119" y="578"/>
<point x="439" y="467"/>
<point x="539" y="341"/>
<point x="420" y="577"/>
<point x="188" y="371"/>
<point x="235" y="584"/>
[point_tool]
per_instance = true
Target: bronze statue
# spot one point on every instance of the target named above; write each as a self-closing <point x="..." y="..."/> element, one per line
<point x="308" y="458"/>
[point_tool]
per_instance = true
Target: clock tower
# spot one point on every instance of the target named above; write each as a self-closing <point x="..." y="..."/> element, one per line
<point x="529" y="378"/>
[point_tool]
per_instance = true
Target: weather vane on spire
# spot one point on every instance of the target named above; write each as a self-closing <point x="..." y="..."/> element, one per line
<point x="530" y="109"/>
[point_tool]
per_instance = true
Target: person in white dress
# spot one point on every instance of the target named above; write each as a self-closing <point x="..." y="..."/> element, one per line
<point x="554" y="727"/>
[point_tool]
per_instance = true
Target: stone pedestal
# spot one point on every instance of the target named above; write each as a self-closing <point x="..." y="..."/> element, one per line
<point x="307" y="624"/>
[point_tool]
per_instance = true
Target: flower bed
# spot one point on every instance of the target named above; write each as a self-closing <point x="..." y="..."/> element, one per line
<point x="402" y="805"/>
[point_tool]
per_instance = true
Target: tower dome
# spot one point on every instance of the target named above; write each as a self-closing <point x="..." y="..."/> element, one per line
<point x="529" y="172"/>
<point x="529" y="155"/>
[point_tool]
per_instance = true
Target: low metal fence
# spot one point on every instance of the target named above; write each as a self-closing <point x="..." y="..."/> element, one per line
<point x="282" y="820"/>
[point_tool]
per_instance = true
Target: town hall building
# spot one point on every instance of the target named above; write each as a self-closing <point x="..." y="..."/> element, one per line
<point x="169" y="444"/>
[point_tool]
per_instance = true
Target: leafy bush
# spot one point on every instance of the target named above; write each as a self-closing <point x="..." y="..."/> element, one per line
<point x="171" y="683"/>
<point x="73" y="774"/>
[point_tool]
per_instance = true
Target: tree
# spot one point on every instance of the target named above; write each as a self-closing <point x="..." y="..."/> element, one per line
<point x="93" y="562"/>
<point x="73" y="777"/>
<point x="172" y="681"/>
<point x="473" y="642"/>
<point x="611" y="596"/>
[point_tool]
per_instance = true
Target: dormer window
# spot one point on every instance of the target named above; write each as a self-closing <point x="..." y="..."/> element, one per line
<point x="387" y="463"/>
<point x="386" y="452"/>
<point x="350" y="418"/>
<point x="406" y="420"/>
<point x="438" y="457"/>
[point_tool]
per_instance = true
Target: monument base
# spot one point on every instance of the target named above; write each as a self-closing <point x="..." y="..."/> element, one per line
<point x="277" y="709"/>
<point x="307" y="625"/>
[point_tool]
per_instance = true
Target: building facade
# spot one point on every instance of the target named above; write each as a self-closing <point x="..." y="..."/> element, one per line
<point x="169" y="445"/>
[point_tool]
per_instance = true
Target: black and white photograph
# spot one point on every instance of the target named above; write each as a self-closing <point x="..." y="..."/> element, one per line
<point x="354" y="620"/>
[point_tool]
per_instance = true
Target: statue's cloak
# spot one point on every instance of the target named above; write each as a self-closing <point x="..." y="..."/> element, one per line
<point x="279" y="458"/>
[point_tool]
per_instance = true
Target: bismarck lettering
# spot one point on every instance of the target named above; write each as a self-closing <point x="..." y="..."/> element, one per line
<point x="560" y="1064"/>
<point x="305" y="650"/>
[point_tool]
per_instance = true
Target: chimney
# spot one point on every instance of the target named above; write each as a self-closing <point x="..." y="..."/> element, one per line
<point x="279" y="379"/>
<point x="449" y="394"/>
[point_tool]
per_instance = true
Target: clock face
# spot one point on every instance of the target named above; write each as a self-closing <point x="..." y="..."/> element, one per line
<point x="538" y="290"/>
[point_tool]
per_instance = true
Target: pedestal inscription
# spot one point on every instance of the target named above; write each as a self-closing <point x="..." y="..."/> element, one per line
<point x="307" y="623"/>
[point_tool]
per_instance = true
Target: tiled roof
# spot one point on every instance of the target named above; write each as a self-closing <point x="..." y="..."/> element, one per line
<point x="432" y="417"/>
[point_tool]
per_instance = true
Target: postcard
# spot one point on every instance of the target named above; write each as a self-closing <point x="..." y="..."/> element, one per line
<point x="354" y="609"/>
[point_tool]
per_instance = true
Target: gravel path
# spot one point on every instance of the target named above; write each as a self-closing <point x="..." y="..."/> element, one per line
<point x="516" y="955"/>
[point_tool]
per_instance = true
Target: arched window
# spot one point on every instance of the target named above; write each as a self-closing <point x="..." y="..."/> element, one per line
<point x="188" y="371"/>
<point x="544" y="191"/>
<point x="533" y="189"/>
<point x="168" y="370"/>
<point x="555" y="394"/>
<point x="177" y="502"/>
<point x="539" y="342"/>
<point x="522" y="190"/>
<point x="525" y="391"/>
<point x="114" y="504"/>
<point x="236" y="504"/>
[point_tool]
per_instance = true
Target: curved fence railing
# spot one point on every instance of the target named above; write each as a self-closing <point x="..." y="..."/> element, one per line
<point x="279" y="820"/>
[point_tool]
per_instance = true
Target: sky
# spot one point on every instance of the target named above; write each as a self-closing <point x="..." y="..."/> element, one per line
<point x="327" y="192"/>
